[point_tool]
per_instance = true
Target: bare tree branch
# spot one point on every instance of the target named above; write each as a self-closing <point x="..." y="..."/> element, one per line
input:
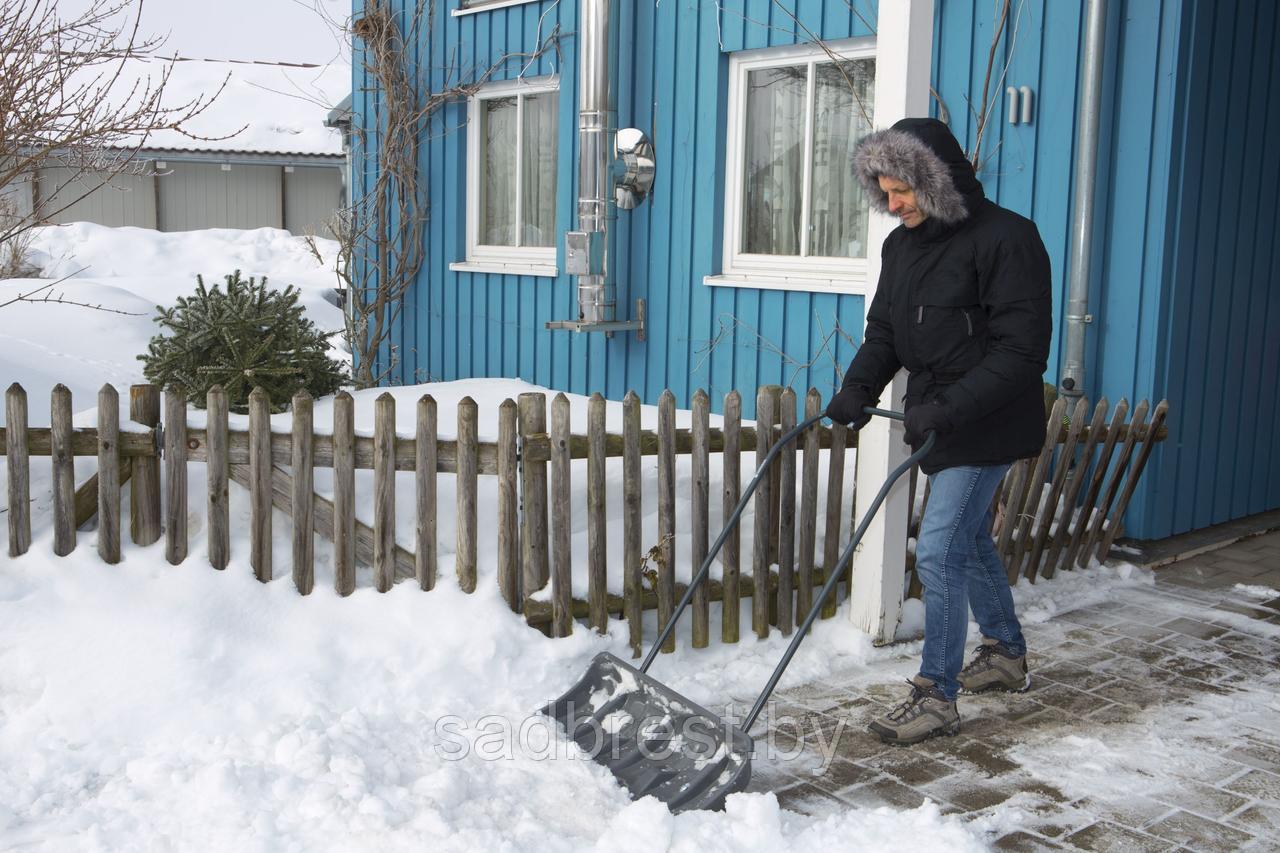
<point x="59" y="299"/>
<point x="78" y="93"/>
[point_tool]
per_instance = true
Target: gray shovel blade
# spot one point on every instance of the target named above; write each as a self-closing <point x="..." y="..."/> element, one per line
<point x="656" y="742"/>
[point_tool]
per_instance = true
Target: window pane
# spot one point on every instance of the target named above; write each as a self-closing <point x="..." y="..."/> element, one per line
<point x="498" y="172"/>
<point x="773" y="161"/>
<point x="539" y="174"/>
<point x="842" y="115"/>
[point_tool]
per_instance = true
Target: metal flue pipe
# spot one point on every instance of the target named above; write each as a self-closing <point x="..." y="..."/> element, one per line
<point x="1086" y="171"/>
<point x="597" y="122"/>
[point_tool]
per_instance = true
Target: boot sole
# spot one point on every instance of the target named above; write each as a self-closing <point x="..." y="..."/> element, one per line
<point x="888" y="737"/>
<point x="1000" y="688"/>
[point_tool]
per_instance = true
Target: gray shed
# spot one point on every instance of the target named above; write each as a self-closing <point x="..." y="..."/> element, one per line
<point x="280" y="165"/>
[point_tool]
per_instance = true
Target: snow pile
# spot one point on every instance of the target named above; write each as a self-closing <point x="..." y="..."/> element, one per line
<point x="146" y="705"/>
<point x="262" y="108"/>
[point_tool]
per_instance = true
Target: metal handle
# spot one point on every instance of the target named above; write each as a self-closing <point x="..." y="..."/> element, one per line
<point x="732" y="522"/>
<point x="837" y="572"/>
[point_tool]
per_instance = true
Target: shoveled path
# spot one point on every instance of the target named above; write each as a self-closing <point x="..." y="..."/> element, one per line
<point x="1152" y="723"/>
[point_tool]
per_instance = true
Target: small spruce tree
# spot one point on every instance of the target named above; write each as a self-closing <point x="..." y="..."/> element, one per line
<point x="245" y="337"/>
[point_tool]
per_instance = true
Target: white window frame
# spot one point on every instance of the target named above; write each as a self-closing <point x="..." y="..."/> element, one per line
<point x="509" y="260"/>
<point x="485" y="6"/>
<point x="784" y="272"/>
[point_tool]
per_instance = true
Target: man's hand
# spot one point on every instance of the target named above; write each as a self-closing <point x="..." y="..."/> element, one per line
<point x="923" y="419"/>
<point x="847" y="405"/>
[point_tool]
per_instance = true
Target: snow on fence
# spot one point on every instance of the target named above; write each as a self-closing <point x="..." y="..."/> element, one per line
<point x="1046" y="518"/>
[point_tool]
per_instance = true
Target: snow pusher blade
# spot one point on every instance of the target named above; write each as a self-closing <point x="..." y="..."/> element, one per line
<point x="655" y="741"/>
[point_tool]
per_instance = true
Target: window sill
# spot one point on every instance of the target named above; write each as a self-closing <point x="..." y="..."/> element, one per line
<point x="471" y="10"/>
<point x="852" y="285"/>
<point x="498" y="268"/>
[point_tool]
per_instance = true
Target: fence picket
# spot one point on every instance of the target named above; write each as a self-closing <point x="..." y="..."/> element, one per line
<point x="175" y="475"/>
<point x="216" y="473"/>
<point x="808" y="506"/>
<point x="64" y="472"/>
<point x="1035" y="488"/>
<point x="425" y="491"/>
<point x="632" y="581"/>
<point x="109" y="475"/>
<point x="1075" y="481"/>
<point x="259" y="484"/>
<point x="561" y="522"/>
<point x="1095" y="483"/>
<point x="596" y="538"/>
<point x="1113" y="484"/>
<point x="915" y="588"/>
<point x="831" y="527"/>
<point x="508" y="507"/>
<point x="763" y="528"/>
<point x="775" y="491"/>
<point x="787" y="517"/>
<point x="1013" y="511"/>
<point x="144" y="492"/>
<point x="344" y="494"/>
<point x="731" y="482"/>
<point x="468" y="427"/>
<point x="384" y="490"/>
<point x="17" y="463"/>
<point x="533" y="486"/>
<point x="1131" y="483"/>
<point x="666" y="550"/>
<point x="1046" y="517"/>
<point x="699" y="513"/>
<point x="304" y="572"/>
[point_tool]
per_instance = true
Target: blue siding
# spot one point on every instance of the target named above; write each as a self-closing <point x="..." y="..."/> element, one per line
<point x="1183" y="286"/>
<point x="1223" y="354"/>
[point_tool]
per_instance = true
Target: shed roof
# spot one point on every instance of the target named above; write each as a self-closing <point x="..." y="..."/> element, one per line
<point x="265" y="108"/>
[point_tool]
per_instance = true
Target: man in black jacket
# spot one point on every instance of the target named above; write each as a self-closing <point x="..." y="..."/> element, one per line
<point x="963" y="303"/>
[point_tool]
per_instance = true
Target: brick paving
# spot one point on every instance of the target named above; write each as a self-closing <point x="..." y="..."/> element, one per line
<point x="1158" y="652"/>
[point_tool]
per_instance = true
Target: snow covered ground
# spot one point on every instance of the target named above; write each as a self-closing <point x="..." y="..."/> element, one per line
<point x="151" y="707"/>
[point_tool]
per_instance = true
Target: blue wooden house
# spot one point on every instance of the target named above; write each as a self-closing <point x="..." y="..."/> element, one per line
<point x="751" y="256"/>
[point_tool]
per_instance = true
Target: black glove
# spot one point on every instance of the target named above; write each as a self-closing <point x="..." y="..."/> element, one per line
<point x="923" y="419"/>
<point x="847" y="405"/>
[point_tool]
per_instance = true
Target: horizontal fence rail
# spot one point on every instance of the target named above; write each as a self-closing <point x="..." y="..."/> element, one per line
<point x="1054" y="512"/>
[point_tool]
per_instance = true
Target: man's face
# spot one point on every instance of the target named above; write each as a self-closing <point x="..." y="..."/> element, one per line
<point x="902" y="201"/>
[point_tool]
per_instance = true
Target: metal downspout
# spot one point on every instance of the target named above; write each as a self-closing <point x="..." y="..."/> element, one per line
<point x="1086" y="170"/>
<point x="615" y="170"/>
<point x="597" y="120"/>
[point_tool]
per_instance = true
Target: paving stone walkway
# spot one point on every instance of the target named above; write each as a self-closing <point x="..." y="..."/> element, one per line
<point x="1170" y="694"/>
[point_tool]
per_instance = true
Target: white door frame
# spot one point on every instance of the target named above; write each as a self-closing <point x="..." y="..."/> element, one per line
<point x="904" y="62"/>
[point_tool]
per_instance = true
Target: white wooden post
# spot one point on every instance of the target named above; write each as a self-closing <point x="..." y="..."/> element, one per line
<point x="904" y="57"/>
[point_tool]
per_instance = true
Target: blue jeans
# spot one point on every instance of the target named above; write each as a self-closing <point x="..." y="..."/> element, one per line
<point x="959" y="568"/>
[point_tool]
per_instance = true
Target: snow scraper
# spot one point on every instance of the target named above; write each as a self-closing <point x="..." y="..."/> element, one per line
<point x="655" y="741"/>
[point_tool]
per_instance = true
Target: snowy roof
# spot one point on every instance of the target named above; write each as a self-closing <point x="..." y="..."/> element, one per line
<point x="265" y="108"/>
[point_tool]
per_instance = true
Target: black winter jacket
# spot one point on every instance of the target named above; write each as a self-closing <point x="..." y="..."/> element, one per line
<point x="963" y="303"/>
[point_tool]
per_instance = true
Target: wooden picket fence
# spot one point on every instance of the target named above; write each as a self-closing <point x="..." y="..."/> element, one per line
<point x="533" y="471"/>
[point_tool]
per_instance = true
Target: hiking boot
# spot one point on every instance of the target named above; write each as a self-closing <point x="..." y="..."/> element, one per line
<point x="994" y="667"/>
<point x="925" y="714"/>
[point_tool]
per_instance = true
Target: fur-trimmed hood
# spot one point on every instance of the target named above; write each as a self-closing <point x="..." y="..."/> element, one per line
<point x="922" y="153"/>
